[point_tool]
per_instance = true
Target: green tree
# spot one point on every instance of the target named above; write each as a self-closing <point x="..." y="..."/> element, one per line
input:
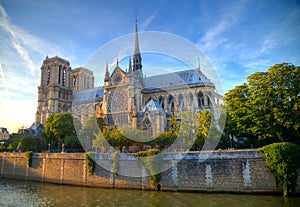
<point x="101" y="144"/>
<point x="89" y="132"/>
<point x="266" y="108"/>
<point x="101" y="123"/>
<point x="118" y="139"/>
<point x="194" y="129"/>
<point x="165" y="139"/>
<point x="59" y="129"/>
<point x="28" y="143"/>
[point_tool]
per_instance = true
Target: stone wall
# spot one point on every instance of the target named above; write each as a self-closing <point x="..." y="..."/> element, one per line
<point x="226" y="171"/>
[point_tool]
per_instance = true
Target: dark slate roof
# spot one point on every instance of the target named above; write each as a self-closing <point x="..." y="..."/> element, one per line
<point x="36" y="129"/>
<point x="88" y="95"/>
<point x="181" y="78"/>
<point x="152" y="105"/>
<point x="3" y="130"/>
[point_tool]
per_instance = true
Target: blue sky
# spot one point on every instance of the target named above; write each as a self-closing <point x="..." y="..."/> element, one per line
<point x="239" y="37"/>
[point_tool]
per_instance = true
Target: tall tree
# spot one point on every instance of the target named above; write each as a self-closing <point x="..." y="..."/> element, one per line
<point x="59" y="129"/>
<point x="90" y="130"/>
<point x="267" y="106"/>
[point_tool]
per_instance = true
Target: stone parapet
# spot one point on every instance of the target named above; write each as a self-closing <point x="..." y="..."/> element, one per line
<point x="240" y="171"/>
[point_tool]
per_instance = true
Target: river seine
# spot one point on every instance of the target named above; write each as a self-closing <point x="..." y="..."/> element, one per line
<point x="22" y="193"/>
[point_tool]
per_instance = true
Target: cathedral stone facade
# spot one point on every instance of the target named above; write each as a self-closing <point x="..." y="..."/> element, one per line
<point x="127" y="97"/>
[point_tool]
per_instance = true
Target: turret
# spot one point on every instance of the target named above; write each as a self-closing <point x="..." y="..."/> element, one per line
<point x="107" y="75"/>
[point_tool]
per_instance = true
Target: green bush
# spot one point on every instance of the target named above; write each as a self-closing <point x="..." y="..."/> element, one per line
<point x="90" y="163"/>
<point x="28" y="156"/>
<point x="283" y="161"/>
<point x="151" y="165"/>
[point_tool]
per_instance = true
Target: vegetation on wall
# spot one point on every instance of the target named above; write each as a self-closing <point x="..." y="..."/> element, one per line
<point x="28" y="156"/>
<point x="90" y="163"/>
<point x="283" y="161"/>
<point x="151" y="165"/>
<point x="115" y="165"/>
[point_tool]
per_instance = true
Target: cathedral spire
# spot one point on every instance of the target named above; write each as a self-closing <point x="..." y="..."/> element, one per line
<point x="137" y="59"/>
<point x="106" y="73"/>
<point x="130" y="67"/>
<point x="136" y="46"/>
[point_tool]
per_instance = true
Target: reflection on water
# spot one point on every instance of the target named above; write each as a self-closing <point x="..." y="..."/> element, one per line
<point x="22" y="193"/>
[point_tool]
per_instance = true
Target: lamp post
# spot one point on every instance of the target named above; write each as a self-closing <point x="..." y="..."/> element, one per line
<point x="49" y="145"/>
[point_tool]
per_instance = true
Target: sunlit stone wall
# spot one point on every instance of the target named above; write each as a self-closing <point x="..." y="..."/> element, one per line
<point x="226" y="171"/>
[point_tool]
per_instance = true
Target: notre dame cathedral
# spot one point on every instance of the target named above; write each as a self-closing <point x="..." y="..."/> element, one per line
<point x="127" y="97"/>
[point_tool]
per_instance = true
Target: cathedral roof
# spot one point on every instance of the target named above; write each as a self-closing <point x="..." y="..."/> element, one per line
<point x="3" y="130"/>
<point x="88" y="95"/>
<point x="152" y="105"/>
<point x="180" y="78"/>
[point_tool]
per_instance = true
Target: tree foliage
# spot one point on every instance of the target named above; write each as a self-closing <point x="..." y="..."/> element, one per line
<point x="266" y="108"/>
<point x="89" y="132"/>
<point x="100" y="143"/>
<point x="28" y="156"/>
<point x="59" y="129"/>
<point x="90" y="162"/>
<point x="27" y="143"/>
<point x="283" y="160"/>
<point x="192" y="133"/>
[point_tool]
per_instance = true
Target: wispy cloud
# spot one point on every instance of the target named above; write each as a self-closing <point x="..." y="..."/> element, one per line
<point x="214" y="36"/>
<point x="282" y="33"/>
<point x="23" y="41"/>
<point x="3" y="87"/>
<point x="20" y="59"/>
<point x="148" y="21"/>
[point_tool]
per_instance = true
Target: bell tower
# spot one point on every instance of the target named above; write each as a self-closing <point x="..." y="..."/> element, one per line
<point x="55" y="90"/>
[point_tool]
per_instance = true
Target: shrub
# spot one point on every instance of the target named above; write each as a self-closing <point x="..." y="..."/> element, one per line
<point x="283" y="161"/>
<point x="151" y="165"/>
<point x="28" y="156"/>
<point x="90" y="163"/>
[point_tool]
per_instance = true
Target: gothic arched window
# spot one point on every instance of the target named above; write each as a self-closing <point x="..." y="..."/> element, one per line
<point x="64" y="77"/>
<point x="161" y="102"/>
<point x="191" y="98"/>
<point x="88" y="83"/>
<point x="208" y="101"/>
<point x="180" y="103"/>
<point x="171" y="104"/>
<point x="74" y="81"/>
<point x="59" y="74"/>
<point x="148" y="128"/>
<point x="48" y="75"/>
<point x="200" y="99"/>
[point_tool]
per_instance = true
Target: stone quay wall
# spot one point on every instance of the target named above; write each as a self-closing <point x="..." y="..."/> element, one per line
<point x="238" y="171"/>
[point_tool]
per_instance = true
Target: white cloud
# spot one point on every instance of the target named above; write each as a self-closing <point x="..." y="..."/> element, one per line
<point x="214" y="36"/>
<point x="25" y="56"/>
<point x="148" y="21"/>
<point x="20" y="59"/>
<point x="23" y="41"/>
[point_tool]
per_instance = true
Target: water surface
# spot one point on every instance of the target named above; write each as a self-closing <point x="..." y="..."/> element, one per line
<point x="25" y="193"/>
